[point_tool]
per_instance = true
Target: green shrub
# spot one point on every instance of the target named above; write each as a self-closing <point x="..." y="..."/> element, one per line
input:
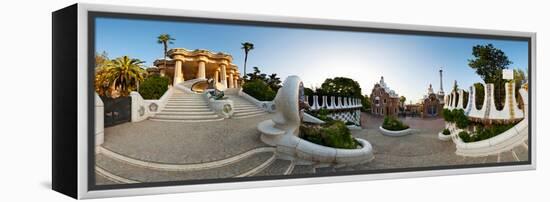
<point x="311" y="133"/>
<point x="462" y="121"/>
<point x="391" y="123"/>
<point x="323" y="114"/>
<point x="331" y="134"/>
<point x="259" y="90"/>
<point x="456" y="116"/>
<point x="447" y="115"/>
<point x="349" y="123"/>
<point x="153" y="87"/>
<point x="465" y="136"/>
<point x="446" y="131"/>
<point x="486" y="132"/>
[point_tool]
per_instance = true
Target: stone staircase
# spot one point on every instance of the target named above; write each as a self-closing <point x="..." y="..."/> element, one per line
<point x="186" y="107"/>
<point x="243" y="108"/>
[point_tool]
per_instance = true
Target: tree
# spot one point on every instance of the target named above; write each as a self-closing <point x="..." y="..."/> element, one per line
<point x="455" y="87"/>
<point x="274" y="82"/>
<point x="480" y="95"/>
<point x="256" y="74"/>
<point x="246" y="46"/>
<point x="101" y="82"/>
<point x="165" y="39"/>
<point x="489" y="62"/>
<point x="101" y="59"/>
<point x="261" y="86"/>
<point x="519" y="78"/>
<point x="308" y="91"/>
<point x="340" y="86"/>
<point x="124" y="74"/>
<point x="402" y="100"/>
<point x="366" y="103"/>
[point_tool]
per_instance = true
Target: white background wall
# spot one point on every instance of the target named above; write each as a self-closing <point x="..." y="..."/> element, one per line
<point x="25" y="83"/>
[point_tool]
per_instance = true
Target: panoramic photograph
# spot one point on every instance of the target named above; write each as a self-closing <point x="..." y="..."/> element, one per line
<point x="188" y="100"/>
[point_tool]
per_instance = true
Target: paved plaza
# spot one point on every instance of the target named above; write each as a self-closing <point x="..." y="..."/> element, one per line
<point x="155" y="151"/>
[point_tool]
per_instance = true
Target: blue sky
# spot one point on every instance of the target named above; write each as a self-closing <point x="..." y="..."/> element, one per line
<point x="409" y="63"/>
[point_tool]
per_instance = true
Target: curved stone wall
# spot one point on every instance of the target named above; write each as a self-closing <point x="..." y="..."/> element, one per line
<point x="488" y="111"/>
<point x="500" y="143"/>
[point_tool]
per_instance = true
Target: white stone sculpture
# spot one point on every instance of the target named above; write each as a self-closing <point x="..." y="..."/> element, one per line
<point x="282" y="131"/>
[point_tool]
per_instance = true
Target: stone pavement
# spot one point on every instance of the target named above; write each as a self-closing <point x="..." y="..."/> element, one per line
<point x="184" y="143"/>
<point x="189" y="143"/>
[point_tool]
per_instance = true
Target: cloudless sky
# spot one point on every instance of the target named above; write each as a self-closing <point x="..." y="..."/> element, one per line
<point x="409" y="63"/>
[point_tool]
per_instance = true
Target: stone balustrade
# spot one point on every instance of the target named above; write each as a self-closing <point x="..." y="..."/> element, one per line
<point x="488" y="111"/>
<point x="336" y="102"/>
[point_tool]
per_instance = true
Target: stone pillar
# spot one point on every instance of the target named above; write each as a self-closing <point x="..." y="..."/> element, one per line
<point x="217" y="76"/>
<point x="178" y="72"/>
<point x="223" y="75"/>
<point x="231" y="80"/>
<point x="236" y="82"/>
<point x="201" y="71"/>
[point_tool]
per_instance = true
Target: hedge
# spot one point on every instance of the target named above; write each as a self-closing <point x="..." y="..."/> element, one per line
<point x="154" y="87"/>
<point x="259" y="90"/>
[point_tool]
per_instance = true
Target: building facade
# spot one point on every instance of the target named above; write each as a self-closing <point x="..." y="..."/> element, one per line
<point x="195" y="69"/>
<point x="385" y="102"/>
<point x="432" y="106"/>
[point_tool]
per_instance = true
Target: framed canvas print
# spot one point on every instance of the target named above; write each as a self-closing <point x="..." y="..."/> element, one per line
<point x="149" y="101"/>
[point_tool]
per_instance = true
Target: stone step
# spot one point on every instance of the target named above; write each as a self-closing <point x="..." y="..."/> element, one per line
<point x="185" y="98"/>
<point x="236" y="109"/>
<point x="303" y="169"/>
<point x="248" y="114"/>
<point x="245" y="106"/>
<point x="245" y="167"/>
<point x="185" y="117"/>
<point x="185" y="113"/>
<point x="186" y="107"/>
<point x="278" y="167"/>
<point x="188" y="102"/>
<point x="187" y="110"/>
<point x="202" y="103"/>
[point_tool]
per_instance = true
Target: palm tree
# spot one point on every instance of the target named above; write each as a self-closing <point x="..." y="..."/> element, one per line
<point x="124" y="74"/>
<point x="274" y="82"/>
<point x="165" y="39"/>
<point x="246" y="46"/>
